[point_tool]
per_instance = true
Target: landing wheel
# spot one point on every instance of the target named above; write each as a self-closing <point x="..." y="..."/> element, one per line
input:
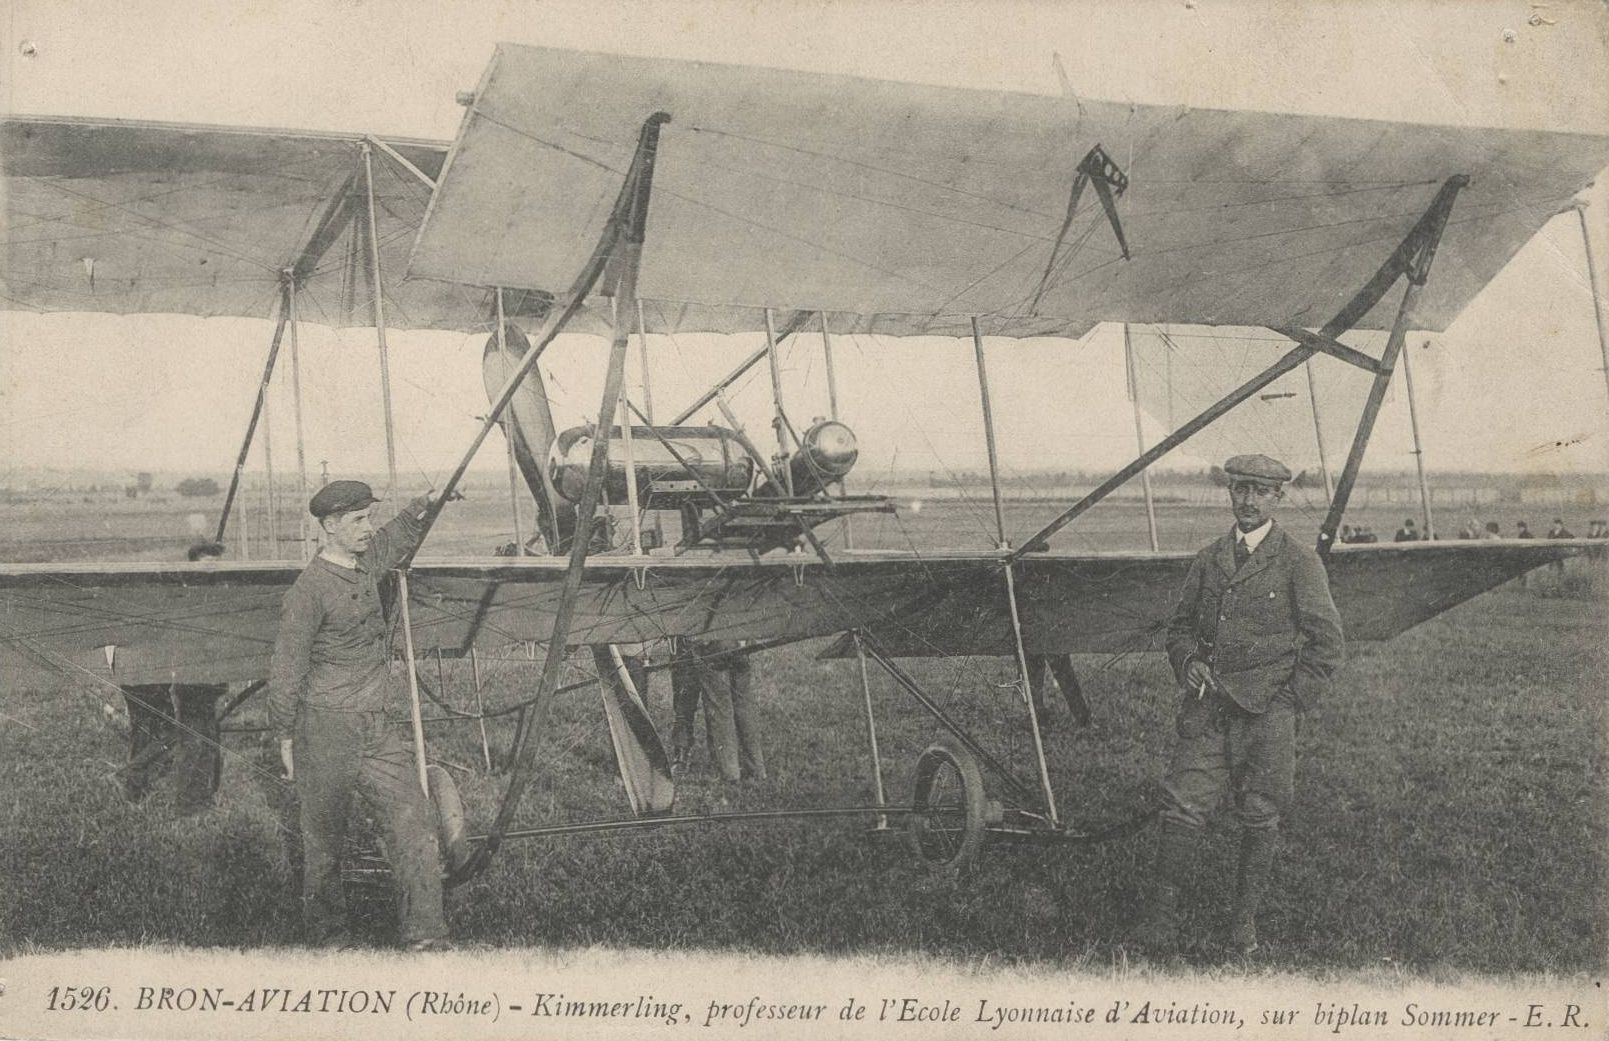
<point x="948" y="809"/>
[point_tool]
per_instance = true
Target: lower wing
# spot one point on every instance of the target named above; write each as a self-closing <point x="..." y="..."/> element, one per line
<point x="208" y="623"/>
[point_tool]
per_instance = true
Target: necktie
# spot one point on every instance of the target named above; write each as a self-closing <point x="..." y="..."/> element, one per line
<point x="1242" y="554"/>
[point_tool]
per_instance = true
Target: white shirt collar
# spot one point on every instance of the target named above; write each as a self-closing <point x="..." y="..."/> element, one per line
<point x="324" y="554"/>
<point x="1254" y="538"/>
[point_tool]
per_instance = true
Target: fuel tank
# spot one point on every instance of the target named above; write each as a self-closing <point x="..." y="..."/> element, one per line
<point x="667" y="477"/>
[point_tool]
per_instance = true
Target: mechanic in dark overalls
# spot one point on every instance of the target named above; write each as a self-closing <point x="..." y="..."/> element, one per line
<point x="328" y="692"/>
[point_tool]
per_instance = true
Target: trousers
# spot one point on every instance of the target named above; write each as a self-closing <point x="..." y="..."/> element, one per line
<point x="174" y="725"/>
<point x="1041" y="667"/>
<point x="342" y="754"/>
<point x="1226" y="751"/>
<point x="725" y="685"/>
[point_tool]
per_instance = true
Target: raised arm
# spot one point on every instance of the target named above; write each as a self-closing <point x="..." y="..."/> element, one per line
<point x="400" y="535"/>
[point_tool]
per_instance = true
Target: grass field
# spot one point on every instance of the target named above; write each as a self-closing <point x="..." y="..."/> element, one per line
<point x="1450" y="816"/>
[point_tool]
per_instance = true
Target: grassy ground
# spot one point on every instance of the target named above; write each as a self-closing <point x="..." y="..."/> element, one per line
<point x="1449" y="818"/>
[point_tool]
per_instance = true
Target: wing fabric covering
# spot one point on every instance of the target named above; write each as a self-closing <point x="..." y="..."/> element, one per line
<point x="212" y="623"/>
<point x="904" y="209"/>
<point x="1113" y="606"/>
<point x="159" y="218"/>
<point x="1181" y="371"/>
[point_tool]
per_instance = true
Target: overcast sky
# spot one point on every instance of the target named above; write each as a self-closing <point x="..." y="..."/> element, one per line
<point x="1515" y="378"/>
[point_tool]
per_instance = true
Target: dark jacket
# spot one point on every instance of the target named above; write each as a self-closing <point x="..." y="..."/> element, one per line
<point x="1269" y="626"/>
<point x="333" y="648"/>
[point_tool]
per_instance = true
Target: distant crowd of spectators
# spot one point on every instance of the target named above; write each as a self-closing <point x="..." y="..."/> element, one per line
<point x="1473" y="529"/>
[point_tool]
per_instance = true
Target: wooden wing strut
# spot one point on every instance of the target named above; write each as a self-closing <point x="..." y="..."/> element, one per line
<point x="619" y="252"/>
<point x="1412" y="258"/>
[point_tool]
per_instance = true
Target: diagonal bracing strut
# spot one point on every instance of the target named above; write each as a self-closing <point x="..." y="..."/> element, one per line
<point x="617" y="257"/>
<point x="1412" y="258"/>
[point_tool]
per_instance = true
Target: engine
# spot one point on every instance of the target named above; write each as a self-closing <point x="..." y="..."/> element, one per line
<point x="679" y="465"/>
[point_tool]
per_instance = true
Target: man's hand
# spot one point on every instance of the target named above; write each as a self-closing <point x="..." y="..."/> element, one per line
<point x="286" y="758"/>
<point x="436" y="502"/>
<point x="1198" y="673"/>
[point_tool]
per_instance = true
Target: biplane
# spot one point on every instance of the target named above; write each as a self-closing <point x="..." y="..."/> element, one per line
<point x="627" y="198"/>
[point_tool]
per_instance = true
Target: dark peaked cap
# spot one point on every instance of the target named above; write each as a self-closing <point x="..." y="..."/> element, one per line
<point x="340" y="497"/>
<point x="1258" y="468"/>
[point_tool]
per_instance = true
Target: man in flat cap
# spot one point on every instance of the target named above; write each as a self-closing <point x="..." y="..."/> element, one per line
<point x="1255" y="636"/>
<point x="328" y="691"/>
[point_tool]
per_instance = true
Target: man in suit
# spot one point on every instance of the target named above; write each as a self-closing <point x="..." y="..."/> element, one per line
<point x="1255" y="637"/>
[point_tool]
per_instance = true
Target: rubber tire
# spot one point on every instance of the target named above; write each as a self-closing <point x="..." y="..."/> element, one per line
<point x="951" y="847"/>
<point x="451" y="831"/>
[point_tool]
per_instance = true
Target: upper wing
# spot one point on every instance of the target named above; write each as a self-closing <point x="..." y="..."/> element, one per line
<point x="901" y="208"/>
<point x="134" y="217"/>
<point x="137" y="623"/>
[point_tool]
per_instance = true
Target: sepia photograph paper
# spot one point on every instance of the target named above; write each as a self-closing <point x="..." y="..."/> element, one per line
<point x="803" y="519"/>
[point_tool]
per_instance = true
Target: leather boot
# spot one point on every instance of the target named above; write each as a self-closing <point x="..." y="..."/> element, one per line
<point x="1176" y="849"/>
<point x="1257" y="848"/>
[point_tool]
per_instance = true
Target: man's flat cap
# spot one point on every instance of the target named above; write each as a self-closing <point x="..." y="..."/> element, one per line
<point x="1258" y="468"/>
<point x="340" y="497"/>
